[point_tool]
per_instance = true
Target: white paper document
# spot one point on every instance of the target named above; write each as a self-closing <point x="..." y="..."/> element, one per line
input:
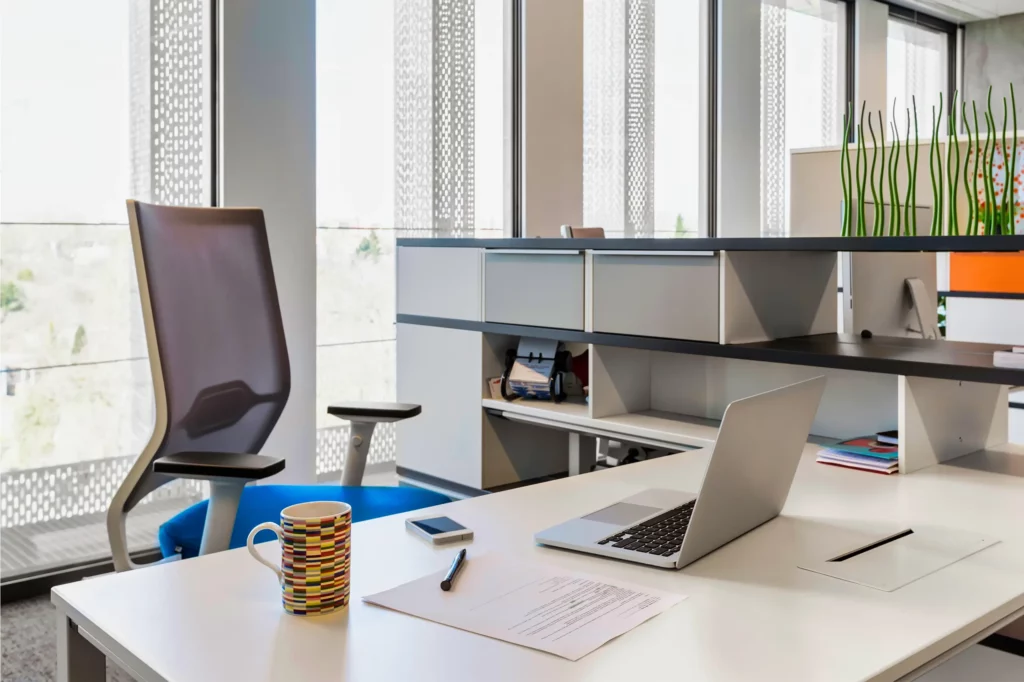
<point x="562" y="612"/>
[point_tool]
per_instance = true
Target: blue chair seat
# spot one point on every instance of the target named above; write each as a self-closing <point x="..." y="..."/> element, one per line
<point x="183" y="533"/>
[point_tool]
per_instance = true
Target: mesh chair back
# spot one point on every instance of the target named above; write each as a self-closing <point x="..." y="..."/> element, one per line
<point x="214" y="331"/>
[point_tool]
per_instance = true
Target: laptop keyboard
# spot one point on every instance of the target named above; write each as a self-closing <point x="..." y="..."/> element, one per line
<point x="661" y="535"/>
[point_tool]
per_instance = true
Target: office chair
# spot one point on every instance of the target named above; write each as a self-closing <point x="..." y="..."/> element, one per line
<point x="570" y="232"/>
<point x="221" y="379"/>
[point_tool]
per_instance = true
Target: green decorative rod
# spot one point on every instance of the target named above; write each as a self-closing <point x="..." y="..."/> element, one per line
<point x="990" y="157"/>
<point x="990" y="188"/>
<point x="978" y="154"/>
<point x="894" y="187"/>
<point x="862" y="174"/>
<point x="1003" y="207"/>
<point x="875" y="196"/>
<point x="909" y="204"/>
<point x="935" y="163"/>
<point x="972" y="200"/>
<point x="1011" y="177"/>
<point x="883" y="170"/>
<point x="844" y="170"/>
<point x="912" y="188"/>
<point x="953" y="167"/>
<point x="938" y="163"/>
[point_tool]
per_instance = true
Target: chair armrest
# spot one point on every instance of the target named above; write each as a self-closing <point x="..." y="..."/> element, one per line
<point x="218" y="465"/>
<point x="374" y="412"/>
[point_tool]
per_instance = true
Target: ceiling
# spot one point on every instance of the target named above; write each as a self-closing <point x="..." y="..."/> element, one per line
<point x="966" y="10"/>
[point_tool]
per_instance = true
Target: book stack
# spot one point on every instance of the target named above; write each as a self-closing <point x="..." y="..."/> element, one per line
<point x="1009" y="358"/>
<point x="878" y="453"/>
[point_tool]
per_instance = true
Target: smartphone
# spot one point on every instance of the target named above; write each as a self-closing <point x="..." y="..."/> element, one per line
<point x="439" y="530"/>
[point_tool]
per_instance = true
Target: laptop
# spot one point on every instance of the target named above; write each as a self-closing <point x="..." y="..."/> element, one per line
<point x="746" y="483"/>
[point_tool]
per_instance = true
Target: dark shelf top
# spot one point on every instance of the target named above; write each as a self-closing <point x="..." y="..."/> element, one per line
<point x="1009" y="243"/>
<point x="954" y="360"/>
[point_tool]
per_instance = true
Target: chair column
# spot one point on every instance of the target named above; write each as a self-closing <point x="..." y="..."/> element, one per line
<point x="225" y="495"/>
<point x="358" y="450"/>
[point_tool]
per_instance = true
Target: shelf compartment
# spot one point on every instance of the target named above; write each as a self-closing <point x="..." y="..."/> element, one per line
<point x="660" y="429"/>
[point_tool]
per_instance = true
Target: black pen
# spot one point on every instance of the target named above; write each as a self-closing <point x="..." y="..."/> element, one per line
<point x="457" y="564"/>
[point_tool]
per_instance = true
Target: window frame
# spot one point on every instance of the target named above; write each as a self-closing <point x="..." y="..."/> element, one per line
<point x="934" y="24"/>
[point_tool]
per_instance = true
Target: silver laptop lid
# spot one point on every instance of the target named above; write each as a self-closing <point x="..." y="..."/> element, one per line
<point x="752" y="465"/>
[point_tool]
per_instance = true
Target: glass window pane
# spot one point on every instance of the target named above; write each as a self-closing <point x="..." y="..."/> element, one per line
<point x="99" y="102"/>
<point x="802" y="91"/>
<point x="917" y="68"/>
<point x="411" y="98"/>
<point x="642" y="175"/>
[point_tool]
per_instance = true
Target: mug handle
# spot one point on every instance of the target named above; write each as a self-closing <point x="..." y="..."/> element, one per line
<point x="269" y="525"/>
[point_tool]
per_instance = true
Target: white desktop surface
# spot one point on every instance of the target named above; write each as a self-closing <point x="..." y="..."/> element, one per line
<point x="751" y="613"/>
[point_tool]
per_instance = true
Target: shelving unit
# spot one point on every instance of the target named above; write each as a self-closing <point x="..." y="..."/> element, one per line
<point x="667" y="382"/>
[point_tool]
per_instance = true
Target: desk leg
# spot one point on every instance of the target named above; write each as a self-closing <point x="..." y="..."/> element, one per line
<point x="77" y="659"/>
<point x="582" y="454"/>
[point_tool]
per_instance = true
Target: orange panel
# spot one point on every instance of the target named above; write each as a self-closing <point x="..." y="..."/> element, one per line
<point x="992" y="272"/>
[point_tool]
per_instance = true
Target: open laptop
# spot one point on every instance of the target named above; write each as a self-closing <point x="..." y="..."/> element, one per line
<point x="746" y="483"/>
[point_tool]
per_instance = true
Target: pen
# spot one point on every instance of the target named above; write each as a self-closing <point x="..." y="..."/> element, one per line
<point x="457" y="564"/>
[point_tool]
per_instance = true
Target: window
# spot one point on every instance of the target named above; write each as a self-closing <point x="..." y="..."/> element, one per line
<point x="803" y="59"/>
<point x="99" y="101"/>
<point x="642" y="175"/>
<point x="917" y="68"/>
<point x="410" y="142"/>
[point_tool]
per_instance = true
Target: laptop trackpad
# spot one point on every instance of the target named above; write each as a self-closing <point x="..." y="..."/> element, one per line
<point x="621" y="514"/>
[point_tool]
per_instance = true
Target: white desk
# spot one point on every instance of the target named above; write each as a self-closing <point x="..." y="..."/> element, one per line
<point x="751" y="614"/>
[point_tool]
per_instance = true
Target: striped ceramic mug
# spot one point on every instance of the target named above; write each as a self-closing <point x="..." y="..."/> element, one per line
<point x="315" y="542"/>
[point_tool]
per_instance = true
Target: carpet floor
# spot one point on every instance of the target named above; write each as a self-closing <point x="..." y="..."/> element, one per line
<point x="29" y="643"/>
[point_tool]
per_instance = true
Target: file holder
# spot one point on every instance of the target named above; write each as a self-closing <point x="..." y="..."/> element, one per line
<point x="534" y="370"/>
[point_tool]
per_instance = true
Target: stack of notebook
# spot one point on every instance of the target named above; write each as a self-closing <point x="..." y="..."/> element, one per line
<point x="867" y="452"/>
<point x="1009" y="358"/>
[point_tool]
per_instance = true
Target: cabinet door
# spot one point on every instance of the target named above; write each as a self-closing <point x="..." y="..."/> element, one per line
<point x="534" y="287"/>
<point x="669" y="295"/>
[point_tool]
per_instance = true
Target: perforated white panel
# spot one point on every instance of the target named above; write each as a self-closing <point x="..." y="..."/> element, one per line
<point x="414" y="132"/>
<point x="830" y="98"/>
<point x="69" y="490"/>
<point x="332" y="443"/>
<point x="773" y="119"/>
<point x="454" y="133"/>
<point x="640" y="90"/>
<point x="604" y="109"/>
<point x="179" y="161"/>
<point x="140" y="100"/>
<point x="168" y="77"/>
<point x="435" y="137"/>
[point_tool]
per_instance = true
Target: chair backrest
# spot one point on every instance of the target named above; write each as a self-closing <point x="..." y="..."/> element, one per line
<point x="214" y="331"/>
<point x="570" y="232"/>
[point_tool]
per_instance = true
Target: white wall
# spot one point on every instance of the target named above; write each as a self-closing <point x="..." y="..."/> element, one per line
<point x="871" y="44"/>
<point x="739" y="119"/>
<point x="267" y="153"/>
<point x="552" y="117"/>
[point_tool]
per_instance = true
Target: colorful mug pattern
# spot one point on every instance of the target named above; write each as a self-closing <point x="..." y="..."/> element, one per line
<point x="314" y="573"/>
